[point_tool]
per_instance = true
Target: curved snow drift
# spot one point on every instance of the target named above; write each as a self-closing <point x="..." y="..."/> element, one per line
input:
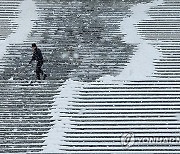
<point x="25" y="24"/>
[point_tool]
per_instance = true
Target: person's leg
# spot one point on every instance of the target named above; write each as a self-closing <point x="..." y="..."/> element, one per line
<point x="44" y="77"/>
<point x="38" y="73"/>
<point x="38" y="70"/>
<point x="44" y="74"/>
<point x="41" y="71"/>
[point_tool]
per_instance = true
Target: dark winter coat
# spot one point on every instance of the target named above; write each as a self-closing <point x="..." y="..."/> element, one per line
<point x="37" y="55"/>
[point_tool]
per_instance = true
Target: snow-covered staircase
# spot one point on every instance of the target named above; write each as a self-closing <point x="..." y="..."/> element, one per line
<point x="163" y="32"/>
<point x="102" y="113"/>
<point x="88" y="28"/>
<point x="104" y="117"/>
<point x="9" y="11"/>
<point x="25" y="114"/>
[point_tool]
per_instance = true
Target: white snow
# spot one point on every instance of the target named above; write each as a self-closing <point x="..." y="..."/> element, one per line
<point x="140" y="67"/>
<point x="61" y="124"/>
<point x="141" y="64"/>
<point x="11" y="78"/>
<point x="25" y="24"/>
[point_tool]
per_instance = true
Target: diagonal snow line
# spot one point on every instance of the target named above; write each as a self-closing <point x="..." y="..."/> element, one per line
<point x="141" y="64"/>
<point x="55" y="137"/>
<point x="25" y="23"/>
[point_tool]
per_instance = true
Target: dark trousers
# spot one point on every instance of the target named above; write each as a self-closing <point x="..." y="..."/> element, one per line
<point x="39" y="70"/>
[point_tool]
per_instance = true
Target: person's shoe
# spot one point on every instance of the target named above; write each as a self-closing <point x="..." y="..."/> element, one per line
<point x="44" y="77"/>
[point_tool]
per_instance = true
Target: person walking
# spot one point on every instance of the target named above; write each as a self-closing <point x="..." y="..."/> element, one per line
<point x="37" y="56"/>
